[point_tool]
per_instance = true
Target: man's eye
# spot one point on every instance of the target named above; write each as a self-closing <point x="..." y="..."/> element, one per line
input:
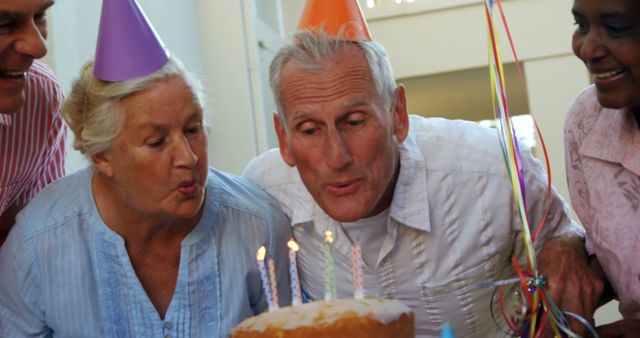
<point x="40" y="17"/>
<point x="193" y="130"/>
<point x="309" y="131"/>
<point x="354" y="123"/>
<point x="6" y="24"/>
<point x="308" y="128"/>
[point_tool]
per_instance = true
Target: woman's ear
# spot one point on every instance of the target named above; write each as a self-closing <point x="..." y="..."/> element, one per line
<point x="102" y="161"/>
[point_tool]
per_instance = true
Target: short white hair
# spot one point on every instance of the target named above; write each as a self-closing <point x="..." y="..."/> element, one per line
<point x="311" y="49"/>
<point x="93" y="109"/>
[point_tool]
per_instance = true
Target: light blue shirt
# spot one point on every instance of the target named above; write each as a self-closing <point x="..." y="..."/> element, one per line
<point x="64" y="273"/>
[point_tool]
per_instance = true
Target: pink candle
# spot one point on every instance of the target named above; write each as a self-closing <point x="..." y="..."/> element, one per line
<point x="272" y="279"/>
<point x="356" y="270"/>
<point x="296" y="293"/>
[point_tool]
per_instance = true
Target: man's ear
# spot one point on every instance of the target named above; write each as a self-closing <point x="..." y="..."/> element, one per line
<point x="102" y="161"/>
<point x="400" y="114"/>
<point x="281" y="132"/>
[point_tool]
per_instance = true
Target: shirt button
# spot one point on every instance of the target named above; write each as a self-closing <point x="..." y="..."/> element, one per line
<point x="167" y="325"/>
<point x="167" y="336"/>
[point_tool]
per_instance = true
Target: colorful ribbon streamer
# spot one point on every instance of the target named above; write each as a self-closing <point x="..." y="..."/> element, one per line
<point x="535" y="310"/>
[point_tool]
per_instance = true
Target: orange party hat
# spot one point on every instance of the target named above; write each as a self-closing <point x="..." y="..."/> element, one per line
<point x="340" y="18"/>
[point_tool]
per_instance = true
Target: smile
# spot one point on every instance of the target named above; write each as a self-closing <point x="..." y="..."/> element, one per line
<point x="12" y="75"/>
<point x="605" y="75"/>
<point x="605" y="78"/>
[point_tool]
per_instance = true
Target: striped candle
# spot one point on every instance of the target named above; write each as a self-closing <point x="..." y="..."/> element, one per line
<point x="356" y="271"/>
<point x="262" y="252"/>
<point x="329" y="268"/>
<point x="273" y="282"/>
<point x="296" y="292"/>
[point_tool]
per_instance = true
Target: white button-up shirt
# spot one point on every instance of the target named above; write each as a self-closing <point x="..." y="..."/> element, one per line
<point x="453" y="224"/>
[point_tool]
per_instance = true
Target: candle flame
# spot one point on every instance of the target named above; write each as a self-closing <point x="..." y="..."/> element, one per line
<point x="328" y="236"/>
<point x="293" y="245"/>
<point x="262" y="252"/>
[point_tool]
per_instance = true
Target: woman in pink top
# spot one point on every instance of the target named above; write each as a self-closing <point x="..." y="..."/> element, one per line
<point x="602" y="143"/>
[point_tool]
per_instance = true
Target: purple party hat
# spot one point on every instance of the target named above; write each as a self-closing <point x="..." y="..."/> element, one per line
<point x="128" y="46"/>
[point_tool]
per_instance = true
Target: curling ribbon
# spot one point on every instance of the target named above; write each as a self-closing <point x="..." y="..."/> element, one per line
<point x="538" y="309"/>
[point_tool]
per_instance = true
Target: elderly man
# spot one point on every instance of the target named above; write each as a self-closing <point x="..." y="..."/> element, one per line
<point x="430" y="200"/>
<point x="31" y="130"/>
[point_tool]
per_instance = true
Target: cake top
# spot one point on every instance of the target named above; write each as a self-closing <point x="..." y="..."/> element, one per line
<point x="325" y="312"/>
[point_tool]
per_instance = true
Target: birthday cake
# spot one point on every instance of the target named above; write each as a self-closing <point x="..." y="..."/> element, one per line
<point x="347" y="318"/>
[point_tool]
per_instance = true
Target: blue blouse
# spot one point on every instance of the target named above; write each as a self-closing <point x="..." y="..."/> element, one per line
<point x="64" y="273"/>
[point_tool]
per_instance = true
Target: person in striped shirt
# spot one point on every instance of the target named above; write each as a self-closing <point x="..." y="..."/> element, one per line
<point x="32" y="133"/>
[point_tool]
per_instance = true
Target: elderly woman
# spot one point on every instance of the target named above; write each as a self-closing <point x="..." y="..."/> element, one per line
<point x="148" y="241"/>
<point x="602" y="143"/>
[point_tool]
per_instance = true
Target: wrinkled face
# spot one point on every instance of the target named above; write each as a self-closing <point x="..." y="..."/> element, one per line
<point x="158" y="162"/>
<point x="340" y="136"/>
<point x="23" y="30"/>
<point x="607" y="39"/>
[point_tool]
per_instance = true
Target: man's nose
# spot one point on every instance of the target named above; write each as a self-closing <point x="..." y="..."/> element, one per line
<point x="32" y="41"/>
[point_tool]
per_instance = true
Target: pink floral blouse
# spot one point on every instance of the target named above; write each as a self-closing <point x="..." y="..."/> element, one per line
<point x="603" y="171"/>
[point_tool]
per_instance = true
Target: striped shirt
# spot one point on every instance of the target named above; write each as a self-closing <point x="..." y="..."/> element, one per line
<point x="32" y="140"/>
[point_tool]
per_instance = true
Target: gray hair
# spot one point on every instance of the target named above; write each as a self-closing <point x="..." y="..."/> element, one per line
<point x="93" y="109"/>
<point x="311" y="49"/>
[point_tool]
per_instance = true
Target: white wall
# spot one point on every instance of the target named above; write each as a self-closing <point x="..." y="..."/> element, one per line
<point x="232" y="139"/>
<point x="218" y="57"/>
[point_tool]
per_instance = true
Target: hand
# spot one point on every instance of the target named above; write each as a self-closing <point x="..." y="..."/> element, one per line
<point x="625" y="328"/>
<point x="572" y="284"/>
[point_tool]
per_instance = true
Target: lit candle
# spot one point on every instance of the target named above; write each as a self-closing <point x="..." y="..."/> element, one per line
<point x="296" y="293"/>
<point x="329" y="268"/>
<point x="356" y="271"/>
<point x="262" y="252"/>
<point x="272" y="280"/>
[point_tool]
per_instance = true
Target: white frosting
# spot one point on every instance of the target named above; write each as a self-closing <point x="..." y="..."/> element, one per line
<point x="323" y="312"/>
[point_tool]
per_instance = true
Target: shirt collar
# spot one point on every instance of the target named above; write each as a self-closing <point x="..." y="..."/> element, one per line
<point x="615" y="138"/>
<point x="5" y="119"/>
<point x="410" y="203"/>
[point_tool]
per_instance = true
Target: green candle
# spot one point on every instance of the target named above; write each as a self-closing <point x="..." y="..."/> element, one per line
<point x="329" y="268"/>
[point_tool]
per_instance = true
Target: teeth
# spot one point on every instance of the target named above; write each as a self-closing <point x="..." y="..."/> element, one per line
<point x="607" y="74"/>
<point x="6" y="73"/>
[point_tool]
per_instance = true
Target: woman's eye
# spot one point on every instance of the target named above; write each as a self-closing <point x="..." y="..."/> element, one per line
<point x="581" y="26"/>
<point x="617" y="29"/>
<point x="155" y="143"/>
